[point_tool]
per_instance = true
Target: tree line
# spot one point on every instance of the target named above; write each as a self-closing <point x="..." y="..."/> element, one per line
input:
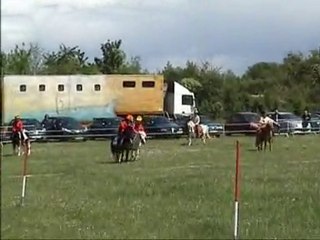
<point x="291" y="85"/>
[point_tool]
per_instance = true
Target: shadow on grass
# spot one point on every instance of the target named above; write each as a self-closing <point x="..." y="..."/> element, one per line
<point x="252" y="150"/>
<point x="184" y="144"/>
<point x="107" y="162"/>
<point x="8" y="155"/>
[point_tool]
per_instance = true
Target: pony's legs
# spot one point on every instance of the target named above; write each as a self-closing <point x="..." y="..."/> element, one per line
<point x="14" y="148"/>
<point x="28" y="147"/>
<point x="208" y="135"/>
<point x="270" y="142"/>
<point x="19" y="150"/>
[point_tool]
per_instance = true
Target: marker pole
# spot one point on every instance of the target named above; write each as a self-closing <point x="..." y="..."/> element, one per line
<point x="24" y="176"/>
<point x="236" y="193"/>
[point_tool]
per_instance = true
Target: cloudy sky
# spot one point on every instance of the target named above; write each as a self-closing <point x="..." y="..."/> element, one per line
<point x="232" y="34"/>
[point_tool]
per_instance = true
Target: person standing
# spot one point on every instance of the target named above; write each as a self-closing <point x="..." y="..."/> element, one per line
<point x="306" y="118"/>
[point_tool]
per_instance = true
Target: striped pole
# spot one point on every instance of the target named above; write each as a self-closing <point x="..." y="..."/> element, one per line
<point x="24" y="176"/>
<point x="236" y="193"/>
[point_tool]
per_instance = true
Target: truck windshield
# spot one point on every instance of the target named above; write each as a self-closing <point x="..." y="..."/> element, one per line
<point x="187" y="100"/>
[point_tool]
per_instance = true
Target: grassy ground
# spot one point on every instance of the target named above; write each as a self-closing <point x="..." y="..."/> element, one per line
<point x="174" y="191"/>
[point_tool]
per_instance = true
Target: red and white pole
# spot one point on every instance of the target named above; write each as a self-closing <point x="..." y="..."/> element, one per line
<point x="24" y="176"/>
<point x="236" y="192"/>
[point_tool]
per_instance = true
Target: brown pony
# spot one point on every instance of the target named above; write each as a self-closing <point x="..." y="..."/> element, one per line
<point x="264" y="137"/>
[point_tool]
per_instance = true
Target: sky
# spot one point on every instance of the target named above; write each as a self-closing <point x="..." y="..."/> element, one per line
<point x="231" y="34"/>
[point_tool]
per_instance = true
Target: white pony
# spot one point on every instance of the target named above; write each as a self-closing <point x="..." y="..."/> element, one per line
<point x="204" y="132"/>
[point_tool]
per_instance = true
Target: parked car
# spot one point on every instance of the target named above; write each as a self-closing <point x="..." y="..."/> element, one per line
<point x="103" y="127"/>
<point x="239" y="123"/>
<point x="289" y="122"/>
<point x="181" y="121"/>
<point x="317" y="113"/>
<point x="5" y="137"/>
<point x="215" y="128"/>
<point x="315" y="122"/>
<point x="161" y="126"/>
<point x="65" y="128"/>
<point x="33" y="127"/>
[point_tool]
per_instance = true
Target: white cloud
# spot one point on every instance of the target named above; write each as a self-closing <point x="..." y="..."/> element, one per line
<point x="16" y="7"/>
<point x="230" y="33"/>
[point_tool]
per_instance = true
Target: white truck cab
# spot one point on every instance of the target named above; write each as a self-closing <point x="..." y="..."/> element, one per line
<point x="179" y="100"/>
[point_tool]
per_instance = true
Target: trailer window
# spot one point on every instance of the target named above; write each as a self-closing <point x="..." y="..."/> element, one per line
<point x="42" y="88"/>
<point x="128" y="84"/>
<point x="148" y="84"/>
<point x="79" y="87"/>
<point x="60" y="87"/>
<point x="97" y="87"/>
<point x="187" y="100"/>
<point x="23" y="88"/>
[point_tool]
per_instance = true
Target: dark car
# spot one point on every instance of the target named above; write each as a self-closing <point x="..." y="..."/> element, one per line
<point x="289" y="123"/>
<point x="161" y="126"/>
<point x="315" y="122"/>
<point x="239" y="123"/>
<point x="215" y="128"/>
<point x="33" y="127"/>
<point x="65" y="128"/>
<point x="181" y="121"/>
<point x="103" y="127"/>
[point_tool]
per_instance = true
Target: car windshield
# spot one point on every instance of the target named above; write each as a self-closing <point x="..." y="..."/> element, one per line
<point x="106" y="122"/>
<point x="157" y="120"/>
<point x="69" y="123"/>
<point x="205" y="119"/>
<point x="31" y="123"/>
<point x="289" y="116"/>
<point x="251" y="117"/>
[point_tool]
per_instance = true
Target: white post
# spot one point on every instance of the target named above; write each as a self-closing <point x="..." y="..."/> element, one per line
<point x="236" y="219"/>
<point x="24" y="185"/>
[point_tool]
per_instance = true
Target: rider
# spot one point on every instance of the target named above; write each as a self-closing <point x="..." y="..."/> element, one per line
<point x="123" y="126"/>
<point x="138" y="127"/>
<point x="17" y="126"/>
<point x="264" y="120"/>
<point x="196" y="121"/>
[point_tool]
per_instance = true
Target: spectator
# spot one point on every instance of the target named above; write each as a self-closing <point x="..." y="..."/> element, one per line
<point x="306" y="117"/>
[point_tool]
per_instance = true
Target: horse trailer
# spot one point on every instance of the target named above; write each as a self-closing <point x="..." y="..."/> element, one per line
<point x="85" y="97"/>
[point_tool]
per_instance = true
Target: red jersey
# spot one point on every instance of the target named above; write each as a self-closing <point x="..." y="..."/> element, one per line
<point x="123" y="125"/>
<point x="17" y="126"/>
<point x="139" y="127"/>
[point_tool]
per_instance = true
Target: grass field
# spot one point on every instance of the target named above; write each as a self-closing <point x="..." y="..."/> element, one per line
<point x="173" y="191"/>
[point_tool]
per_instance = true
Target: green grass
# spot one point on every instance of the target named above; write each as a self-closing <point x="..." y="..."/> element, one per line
<point x="173" y="191"/>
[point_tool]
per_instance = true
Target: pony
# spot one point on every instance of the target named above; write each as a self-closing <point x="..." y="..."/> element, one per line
<point x="203" y="132"/>
<point x="264" y="137"/>
<point x="127" y="147"/>
<point x="21" y="139"/>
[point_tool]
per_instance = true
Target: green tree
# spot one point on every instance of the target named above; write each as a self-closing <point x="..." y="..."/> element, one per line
<point x="191" y="84"/>
<point x="17" y="61"/>
<point x="131" y="67"/>
<point x="68" y="60"/>
<point x="113" y="57"/>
